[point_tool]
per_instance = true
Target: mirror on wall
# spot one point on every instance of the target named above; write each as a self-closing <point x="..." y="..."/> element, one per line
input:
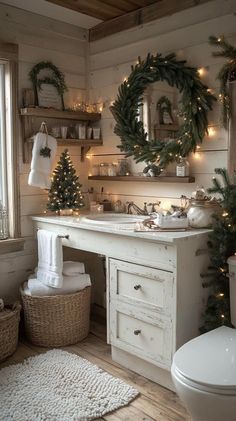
<point x="159" y="112"/>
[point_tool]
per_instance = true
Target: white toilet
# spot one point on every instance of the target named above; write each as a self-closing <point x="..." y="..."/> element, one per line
<point x="204" y="369"/>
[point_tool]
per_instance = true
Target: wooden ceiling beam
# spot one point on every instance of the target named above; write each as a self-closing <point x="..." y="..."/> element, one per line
<point x="141" y="3"/>
<point x="94" y="8"/>
<point x="157" y="10"/>
<point x="125" y="5"/>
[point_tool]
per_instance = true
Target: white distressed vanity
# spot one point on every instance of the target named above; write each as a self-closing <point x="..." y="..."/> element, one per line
<point x="154" y="288"/>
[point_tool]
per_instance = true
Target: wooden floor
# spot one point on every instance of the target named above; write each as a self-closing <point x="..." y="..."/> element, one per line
<point x="154" y="403"/>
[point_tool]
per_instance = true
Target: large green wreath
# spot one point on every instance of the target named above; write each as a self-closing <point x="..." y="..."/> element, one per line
<point x="196" y="101"/>
<point x="57" y="79"/>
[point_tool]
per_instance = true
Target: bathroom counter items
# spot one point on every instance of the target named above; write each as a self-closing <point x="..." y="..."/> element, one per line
<point x="154" y="288"/>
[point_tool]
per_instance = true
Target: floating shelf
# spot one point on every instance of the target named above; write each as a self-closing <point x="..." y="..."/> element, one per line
<point x="84" y="143"/>
<point x="30" y="125"/>
<point x="66" y="115"/>
<point x="75" y="142"/>
<point x="160" y="179"/>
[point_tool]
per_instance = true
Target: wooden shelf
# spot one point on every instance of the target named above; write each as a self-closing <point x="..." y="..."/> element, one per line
<point x="30" y="125"/>
<point x="159" y="179"/>
<point x="66" y="115"/>
<point x="75" y="142"/>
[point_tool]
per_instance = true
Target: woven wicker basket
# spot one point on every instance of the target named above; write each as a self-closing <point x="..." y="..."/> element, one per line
<point x="58" y="320"/>
<point x="9" y="329"/>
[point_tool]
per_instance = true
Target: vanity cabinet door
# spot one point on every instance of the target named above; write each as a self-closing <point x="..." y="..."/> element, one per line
<point x="141" y="334"/>
<point x="141" y="286"/>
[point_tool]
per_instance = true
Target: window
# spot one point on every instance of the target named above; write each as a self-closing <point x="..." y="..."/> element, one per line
<point x="9" y="139"/>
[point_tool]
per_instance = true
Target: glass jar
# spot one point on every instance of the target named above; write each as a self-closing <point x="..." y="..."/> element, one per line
<point x="103" y="169"/>
<point x="200" y="213"/>
<point x="123" y="167"/>
<point x="182" y="167"/>
<point x="112" y="170"/>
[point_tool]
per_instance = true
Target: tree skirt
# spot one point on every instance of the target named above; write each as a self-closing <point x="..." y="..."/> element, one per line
<point x="59" y="386"/>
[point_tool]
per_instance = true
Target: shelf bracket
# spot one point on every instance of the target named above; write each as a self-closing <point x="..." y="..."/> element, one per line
<point x="84" y="151"/>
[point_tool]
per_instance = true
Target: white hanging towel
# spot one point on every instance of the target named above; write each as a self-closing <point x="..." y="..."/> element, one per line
<point x="41" y="167"/>
<point x="71" y="268"/>
<point x="50" y="259"/>
<point x="71" y="284"/>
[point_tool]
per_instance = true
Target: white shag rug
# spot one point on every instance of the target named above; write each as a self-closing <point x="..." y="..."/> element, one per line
<point x="59" y="386"/>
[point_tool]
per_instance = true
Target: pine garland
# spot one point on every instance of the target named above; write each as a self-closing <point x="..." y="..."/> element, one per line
<point x="57" y="79"/>
<point x="65" y="188"/>
<point x="226" y="74"/>
<point x="195" y="103"/>
<point x="222" y="245"/>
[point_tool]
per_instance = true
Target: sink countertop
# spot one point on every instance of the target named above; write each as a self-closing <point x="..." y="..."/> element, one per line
<point x="119" y="229"/>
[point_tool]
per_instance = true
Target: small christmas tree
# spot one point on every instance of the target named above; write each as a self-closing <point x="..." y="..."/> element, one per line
<point x="65" y="188"/>
<point x="222" y="245"/>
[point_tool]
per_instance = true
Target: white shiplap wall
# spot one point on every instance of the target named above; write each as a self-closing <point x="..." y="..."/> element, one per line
<point x="185" y="33"/>
<point x="40" y="38"/>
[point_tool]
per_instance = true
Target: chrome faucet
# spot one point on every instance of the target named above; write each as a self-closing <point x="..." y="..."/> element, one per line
<point x="136" y="208"/>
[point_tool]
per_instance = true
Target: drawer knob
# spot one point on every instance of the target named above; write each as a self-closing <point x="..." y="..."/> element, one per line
<point x="136" y="287"/>
<point x="137" y="332"/>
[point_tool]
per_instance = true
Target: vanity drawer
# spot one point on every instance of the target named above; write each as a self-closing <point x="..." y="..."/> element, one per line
<point x="141" y="334"/>
<point x="143" y="286"/>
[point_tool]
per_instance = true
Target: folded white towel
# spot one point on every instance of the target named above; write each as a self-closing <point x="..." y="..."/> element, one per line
<point x="50" y="259"/>
<point x="72" y="268"/>
<point x="41" y="167"/>
<point x="71" y="284"/>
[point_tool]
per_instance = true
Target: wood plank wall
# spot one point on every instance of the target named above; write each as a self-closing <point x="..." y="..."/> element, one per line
<point x="185" y="33"/>
<point x="65" y="45"/>
<point x="40" y="38"/>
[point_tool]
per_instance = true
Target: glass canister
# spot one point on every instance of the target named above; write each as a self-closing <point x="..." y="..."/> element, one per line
<point x="182" y="167"/>
<point x="200" y="213"/>
<point x="112" y="170"/>
<point x="123" y="167"/>
<point x="103" y="169"/>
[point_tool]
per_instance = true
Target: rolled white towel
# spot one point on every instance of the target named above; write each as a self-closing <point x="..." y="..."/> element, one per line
<point x="70" y="285"/>
<point x="72" y="268"/>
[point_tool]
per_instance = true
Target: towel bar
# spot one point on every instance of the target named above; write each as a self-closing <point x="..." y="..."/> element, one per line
<point x="61" y="236"/>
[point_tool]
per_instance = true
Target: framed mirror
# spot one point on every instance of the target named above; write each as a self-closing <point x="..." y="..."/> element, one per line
<point x="138" y="134"/>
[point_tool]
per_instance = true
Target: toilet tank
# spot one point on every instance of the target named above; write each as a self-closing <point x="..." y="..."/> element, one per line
<point x="232" y="288"/>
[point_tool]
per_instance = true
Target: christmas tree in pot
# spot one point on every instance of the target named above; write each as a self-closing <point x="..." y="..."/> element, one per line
<point x="65" y="194"/>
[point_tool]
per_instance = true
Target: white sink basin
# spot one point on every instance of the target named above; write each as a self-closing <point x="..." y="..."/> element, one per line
<point x="113" y="218"/>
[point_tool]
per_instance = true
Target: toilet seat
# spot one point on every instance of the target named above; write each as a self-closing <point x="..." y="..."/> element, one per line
<point x="201" y="386"/>
<point x="208" y="362"/>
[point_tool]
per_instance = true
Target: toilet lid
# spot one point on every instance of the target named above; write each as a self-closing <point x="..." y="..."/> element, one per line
<point x="209" y="359"/>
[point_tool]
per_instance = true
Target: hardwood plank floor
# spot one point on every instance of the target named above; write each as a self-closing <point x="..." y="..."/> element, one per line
<point x="154" y="403"/>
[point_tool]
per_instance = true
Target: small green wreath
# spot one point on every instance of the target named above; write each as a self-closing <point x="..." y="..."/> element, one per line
<point x="195" y="103"/>
<point x="57" y="79"/>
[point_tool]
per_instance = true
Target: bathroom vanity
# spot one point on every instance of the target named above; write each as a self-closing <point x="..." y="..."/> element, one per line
<point x="154" y="288"/>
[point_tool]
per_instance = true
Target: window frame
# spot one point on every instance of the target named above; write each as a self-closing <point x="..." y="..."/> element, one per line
<point x="9" y="55"/>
